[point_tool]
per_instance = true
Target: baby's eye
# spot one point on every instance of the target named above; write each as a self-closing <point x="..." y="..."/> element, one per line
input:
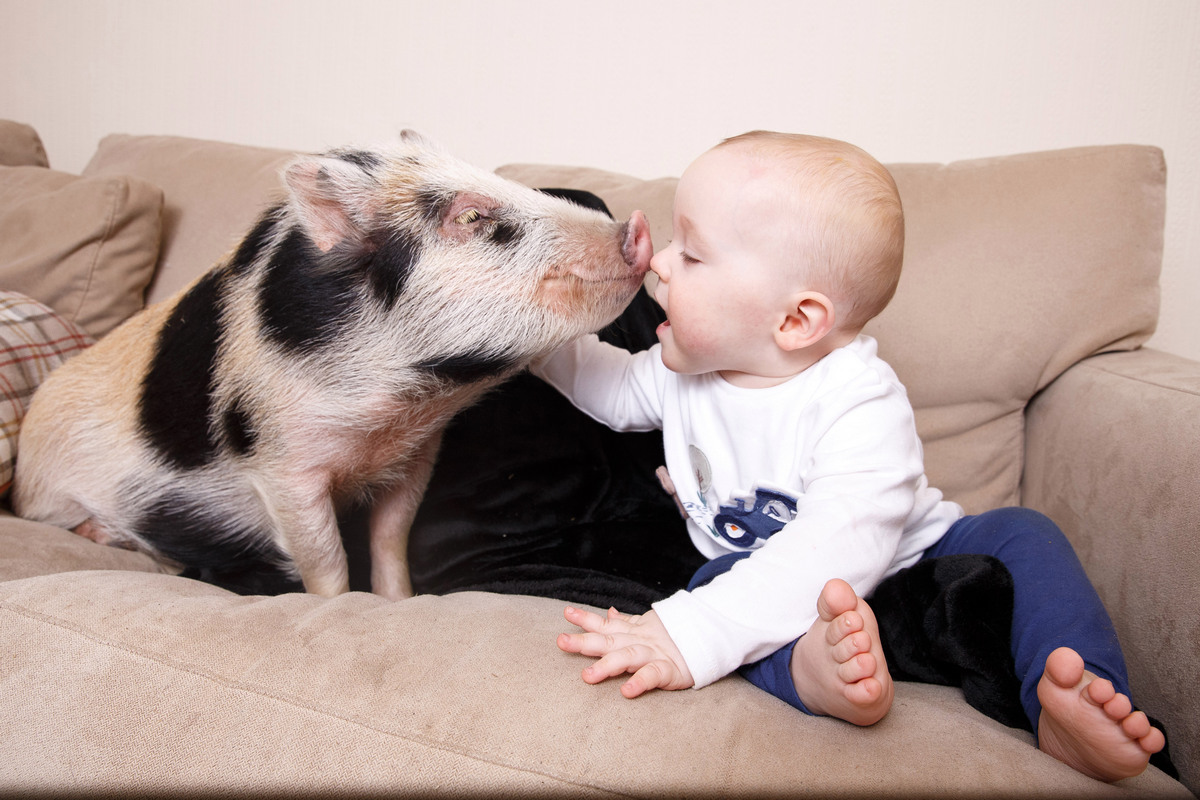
<point x="688" y="259"/>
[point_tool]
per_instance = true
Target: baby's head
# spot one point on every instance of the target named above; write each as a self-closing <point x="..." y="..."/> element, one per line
<point x="839" y="222"/>
<point x="784" y="246"/>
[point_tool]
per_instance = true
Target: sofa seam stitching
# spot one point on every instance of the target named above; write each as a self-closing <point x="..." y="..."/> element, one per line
<point x="1138" y="379"/>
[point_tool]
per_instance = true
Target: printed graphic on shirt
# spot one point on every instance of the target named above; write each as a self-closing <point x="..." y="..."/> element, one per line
<point x="757" y="517"/>
<point x="697" y="509"/>
<point x="700" y="468"/>
<point x="743" y="521"/>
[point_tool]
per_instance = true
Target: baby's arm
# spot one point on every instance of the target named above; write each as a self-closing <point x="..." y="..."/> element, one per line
<point x="635" y="644"/>
<point x="623" y="391"/>
<point x="611" y="385"/>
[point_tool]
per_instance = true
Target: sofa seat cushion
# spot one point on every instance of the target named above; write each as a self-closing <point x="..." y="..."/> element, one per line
<point x="463" y="693"/>
<point x="86" y="247"/>
<point x="1054" y="255"/>
<point x="29" y="549"/>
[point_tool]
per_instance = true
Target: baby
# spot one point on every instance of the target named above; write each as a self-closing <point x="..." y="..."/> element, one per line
<point x="792" y="450"/>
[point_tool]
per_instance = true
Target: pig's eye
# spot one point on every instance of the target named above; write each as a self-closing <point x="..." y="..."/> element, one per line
<point x="468" y="216"/>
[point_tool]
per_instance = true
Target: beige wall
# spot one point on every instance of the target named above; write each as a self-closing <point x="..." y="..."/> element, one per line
<point x="640" y="87"/>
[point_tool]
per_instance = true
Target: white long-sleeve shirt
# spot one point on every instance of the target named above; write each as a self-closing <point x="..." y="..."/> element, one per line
<point x="821" y="476"/>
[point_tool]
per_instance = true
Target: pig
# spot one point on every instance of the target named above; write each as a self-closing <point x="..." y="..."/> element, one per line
<point x="317" y="364"/>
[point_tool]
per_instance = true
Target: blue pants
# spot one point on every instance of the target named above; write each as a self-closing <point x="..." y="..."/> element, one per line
<point x="1054" y="603"/>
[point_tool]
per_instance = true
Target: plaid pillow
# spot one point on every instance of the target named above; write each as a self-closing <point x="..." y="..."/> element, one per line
<point x="33" y="341"/>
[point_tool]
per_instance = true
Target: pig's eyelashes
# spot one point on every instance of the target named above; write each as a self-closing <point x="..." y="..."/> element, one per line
<point x="468" y="216"/>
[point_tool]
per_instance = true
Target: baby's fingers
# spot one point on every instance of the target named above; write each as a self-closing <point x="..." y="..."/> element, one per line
<point x="584" y="643"/>
<point x="591" y="644"/>
<point x="617" y="616"/>
<point x="613" y="622"/>
<point x="658" y="674"/>
<point x="617" y="662"/>
<point x="583" y="619"/>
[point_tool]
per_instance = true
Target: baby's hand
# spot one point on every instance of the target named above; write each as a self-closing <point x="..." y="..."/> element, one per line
<point x="637" y="644"/>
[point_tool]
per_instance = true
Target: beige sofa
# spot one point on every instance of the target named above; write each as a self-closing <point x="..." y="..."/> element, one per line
<point x="1030" y="285"/>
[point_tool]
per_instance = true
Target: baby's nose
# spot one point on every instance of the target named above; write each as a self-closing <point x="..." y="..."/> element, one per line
<point x="658" y="264"/>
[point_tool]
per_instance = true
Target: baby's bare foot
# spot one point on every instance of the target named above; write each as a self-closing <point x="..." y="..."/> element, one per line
<point x="1090" y="726"/>
<point x="838" y="666"/>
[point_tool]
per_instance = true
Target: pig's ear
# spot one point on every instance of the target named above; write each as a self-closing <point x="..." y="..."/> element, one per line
<point x="409" y="136"/>
<point x="333" y="197"/>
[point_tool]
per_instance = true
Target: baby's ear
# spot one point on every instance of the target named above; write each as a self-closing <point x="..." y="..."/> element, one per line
<point x="810" y="319"/>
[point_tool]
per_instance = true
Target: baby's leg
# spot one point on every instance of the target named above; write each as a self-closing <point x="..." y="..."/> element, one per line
<point x="1087" y="724"/>
<point x="838" y="666"/>
<point x="839" y="661"/>
<point x="1055" y="611"/>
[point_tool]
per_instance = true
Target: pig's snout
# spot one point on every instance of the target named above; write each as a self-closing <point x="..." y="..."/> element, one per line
<point x="637" y="248"/>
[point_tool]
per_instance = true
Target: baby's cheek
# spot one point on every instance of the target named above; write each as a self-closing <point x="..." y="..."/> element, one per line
<point x="696" y="339"/>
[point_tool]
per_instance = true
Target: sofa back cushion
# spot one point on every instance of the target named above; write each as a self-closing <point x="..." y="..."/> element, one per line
<point x="1015" y="268"/>
<point x="20" y="145"/>
<point x="214" y="193"/>
<point x="86" y="247"/>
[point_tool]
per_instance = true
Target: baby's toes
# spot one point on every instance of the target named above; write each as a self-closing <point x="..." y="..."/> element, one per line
<point x="836" y="598"/>
<point x="850" y="646"/>
<point x="864" y="692"/>
<point x="843" y="625"/>
<point x="1119" y="708"/>
<point x="1135" y="725"/>
<point x="1100" y="691"/>
<point x="1154" y="740"/>
<point x="857" y="668"/>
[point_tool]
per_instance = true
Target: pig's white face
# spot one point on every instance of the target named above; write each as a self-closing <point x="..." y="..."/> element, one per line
<point x="465" y="261"/>
<point x="505" y="262"/>
<point x="547" y="252"/>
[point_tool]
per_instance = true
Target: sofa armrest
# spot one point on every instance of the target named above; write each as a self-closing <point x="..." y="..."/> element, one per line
<point x="1113" y="456"/>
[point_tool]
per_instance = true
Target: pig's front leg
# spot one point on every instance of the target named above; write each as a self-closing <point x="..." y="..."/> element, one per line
<point x="391" y="519"/>
<point x="308" y="525"/>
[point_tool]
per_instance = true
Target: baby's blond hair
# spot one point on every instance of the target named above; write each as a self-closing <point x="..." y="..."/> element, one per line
<point x="848" y="236"/>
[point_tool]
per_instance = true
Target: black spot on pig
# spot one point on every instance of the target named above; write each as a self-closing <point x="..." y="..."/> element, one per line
<point x="387" y="269"/>
<point x="239" y="430"/>
<point x="433" y="204"/>
<point x="505" y="233"/>
<point x="255" y="243"/>
<point x="176" y="394"/>
<point x="304" y="295"/>
<point x="363" y="159"/>
<point x="469" y="367"/>
<point x="242" y="561"/>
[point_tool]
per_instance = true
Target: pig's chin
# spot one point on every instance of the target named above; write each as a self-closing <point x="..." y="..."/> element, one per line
<point x="571" y="281"/>
<point x="575" y="284"/>
<point x="600" y="273"/>
<point x="594" y="298"/>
